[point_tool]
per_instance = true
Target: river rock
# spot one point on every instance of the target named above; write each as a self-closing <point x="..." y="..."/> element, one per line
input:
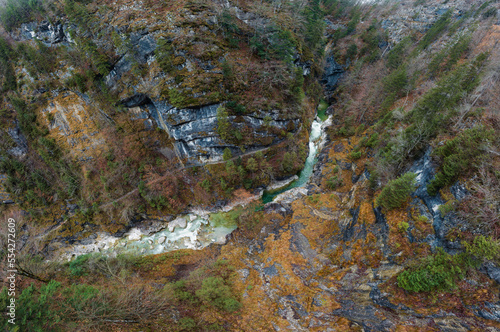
<point x="161" y="239"/>
<point x="178" y="222"/>
<point x="291" y="195"/>
<point x="134" y="234"/>
<point x="281" y="184"/>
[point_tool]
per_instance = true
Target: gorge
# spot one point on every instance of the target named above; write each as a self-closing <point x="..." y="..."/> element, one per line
<point x="322" y="165"/>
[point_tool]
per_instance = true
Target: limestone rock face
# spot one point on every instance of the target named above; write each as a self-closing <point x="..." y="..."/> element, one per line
<point x="69" y="117"/>
<point x="46" y="32"/>
<point x="407" y="18"/>
<point x="21" y="147"/>
<point x="195" y="129"/>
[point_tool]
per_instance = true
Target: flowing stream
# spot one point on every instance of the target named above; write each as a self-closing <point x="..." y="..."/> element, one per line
<point x="195" y="230"/>
<point x="316" y="140"/>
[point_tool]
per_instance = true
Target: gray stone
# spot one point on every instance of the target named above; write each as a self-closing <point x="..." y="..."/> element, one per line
<point x="270" y="271"/>
<point x="493" y="271"/>
<point x="491" y="312"/>
<point x="46" y="32"/>
<point x="333" y="73"/>
<point x="244" y="273"/>
<point x="178" y="222"/>
<point x="22" y="144"/>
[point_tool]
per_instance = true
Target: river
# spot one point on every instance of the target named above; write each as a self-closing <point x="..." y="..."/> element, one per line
<point x="199" y="228"/>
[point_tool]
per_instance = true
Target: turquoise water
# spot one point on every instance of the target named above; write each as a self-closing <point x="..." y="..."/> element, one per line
<point x="323" y="105"/>
<point x="305" y="174"/>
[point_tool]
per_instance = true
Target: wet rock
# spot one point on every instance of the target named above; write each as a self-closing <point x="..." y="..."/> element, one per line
<point x="144" y="45"/>
<point x="339" y="147"/>
<point x="345" y="165"/>
<point x="382" y="300"/>
<point x="161" y="239"/>
<point x="291" y="195"/>
<point x="178" y="222"/>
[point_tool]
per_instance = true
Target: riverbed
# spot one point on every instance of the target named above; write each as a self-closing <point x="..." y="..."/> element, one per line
<point x="199" y="228"/>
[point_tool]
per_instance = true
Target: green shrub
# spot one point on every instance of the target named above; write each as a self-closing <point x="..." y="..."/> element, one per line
<point x="276" y="43"/>
<point x="26" y="117"/>
<point x="460" y="155"/>
<point x="223" y="125"/>
<point x="435" y="31"/>
<point x="403" y="226"/>
<point x="457" y="51"/>
<point x="483" y="248"/>
<point x="396" y="56"/>
<point x="227" y="154"/>
<point x="296" y="86"/>
<point x="447" y="207"/>
<point x="252" y="165"/>
<point x="356" y="155"/>
<point x="79" y="296"/>
<point x="165" y="56"/>
<point x="433" y="112"/>
<point x="79" y="81"/>
<point x="16" y="12"/>
<point x="451" y="55"/>
<point x="397" y="191"/>
<point x="437" y="272"/>
<point x="78" y="13"/>
<point x="206" y="184"/>
<point x="334" y="182"/>
<point x="396" y="82"/>
<point x="78" y="266"/>
<point x="214" y="291"/>
<point x="372" y="38"/>
<point x="372" y="141"/>
<point x="314" y="25"/>
<point x="289" y="161"/>
<point x="187" y="324"/>
<point x="492" y="12"/>
<point x="33" y="308"/>
<point x="441" y="271"/>
<point x="6" y="66"/>
<point x="352" y="51"/>
<point x="235" y="107"/>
